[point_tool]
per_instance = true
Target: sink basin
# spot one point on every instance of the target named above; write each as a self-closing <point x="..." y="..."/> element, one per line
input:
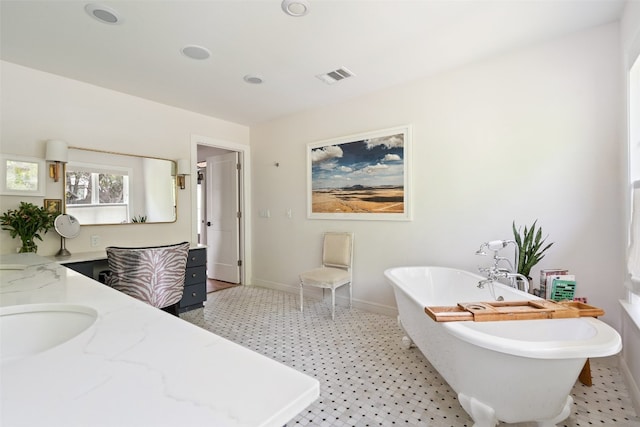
<point x="30" y="329"/>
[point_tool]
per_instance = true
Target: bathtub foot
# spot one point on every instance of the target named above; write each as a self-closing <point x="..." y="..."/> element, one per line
<point x="481" y="414"/>
<point x="406" y="342"/>
<point x="566" y="411"/>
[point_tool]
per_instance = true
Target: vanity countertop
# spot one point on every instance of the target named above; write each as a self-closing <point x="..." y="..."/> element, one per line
<point x="136" y="365"/>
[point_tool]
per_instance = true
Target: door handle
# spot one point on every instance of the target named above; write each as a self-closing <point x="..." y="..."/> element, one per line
<point x="208" y="223"/>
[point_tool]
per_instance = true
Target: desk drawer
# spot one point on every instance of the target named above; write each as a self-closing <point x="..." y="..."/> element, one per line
<point x="194" y="294"/>
<point x="197" y="257"/>
<point x="195" y="275"/>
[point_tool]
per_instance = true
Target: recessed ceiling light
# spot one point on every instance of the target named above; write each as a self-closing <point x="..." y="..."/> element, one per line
<point x="295" y="8"/>
<point x="196" y="52"/>
<point x="253" y="79"/>
<point x="103" y="14"/>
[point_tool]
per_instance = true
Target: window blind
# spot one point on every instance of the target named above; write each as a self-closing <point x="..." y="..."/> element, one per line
<point x="633" y="255"/>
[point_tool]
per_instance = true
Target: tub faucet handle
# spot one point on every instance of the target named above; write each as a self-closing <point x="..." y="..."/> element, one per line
<point x="481" y="250"/>
<point x="496" y="245"/>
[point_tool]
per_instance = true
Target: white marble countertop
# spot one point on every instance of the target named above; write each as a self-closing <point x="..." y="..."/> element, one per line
<point x="136" y="365"/>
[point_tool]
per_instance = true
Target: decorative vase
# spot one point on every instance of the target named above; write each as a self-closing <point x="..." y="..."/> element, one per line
<point x="28" y="245"/>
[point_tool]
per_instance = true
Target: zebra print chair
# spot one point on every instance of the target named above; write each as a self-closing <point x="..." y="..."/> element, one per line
<point x="154" y="275"/>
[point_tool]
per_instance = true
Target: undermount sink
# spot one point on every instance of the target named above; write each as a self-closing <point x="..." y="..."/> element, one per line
<point x="30" y="329"/>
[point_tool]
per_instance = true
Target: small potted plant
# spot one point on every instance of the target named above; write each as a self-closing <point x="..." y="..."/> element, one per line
<point x="530" y="247"/>
<point x="139" y="218"/>
<point x="27" y="222"/>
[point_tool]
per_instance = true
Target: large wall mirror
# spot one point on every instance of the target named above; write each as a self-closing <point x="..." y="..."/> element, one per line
<point x="115" y="188"/>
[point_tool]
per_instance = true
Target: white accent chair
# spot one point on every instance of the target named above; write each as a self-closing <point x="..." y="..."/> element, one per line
<point x="337" y="260"/>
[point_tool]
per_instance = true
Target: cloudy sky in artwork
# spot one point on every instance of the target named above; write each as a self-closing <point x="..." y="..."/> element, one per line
<point x="369" y="162"/>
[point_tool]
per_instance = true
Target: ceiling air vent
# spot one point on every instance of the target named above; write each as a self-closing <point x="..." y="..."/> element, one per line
<point x="335" y="76"/>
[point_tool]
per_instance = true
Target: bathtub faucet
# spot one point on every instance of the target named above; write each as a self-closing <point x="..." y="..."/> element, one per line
<point x="494" y="245"/>
<point x="525" y="280"/>
<point x="493" y="273"/>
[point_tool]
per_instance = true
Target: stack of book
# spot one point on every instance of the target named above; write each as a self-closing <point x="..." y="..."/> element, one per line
<point x="557" y="285"/>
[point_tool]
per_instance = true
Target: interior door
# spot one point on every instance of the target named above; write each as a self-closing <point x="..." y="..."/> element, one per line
<point x="223" y="218"/>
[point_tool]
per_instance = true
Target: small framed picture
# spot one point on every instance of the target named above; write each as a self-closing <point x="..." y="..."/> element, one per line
<point x="21" y="176"/>
<point x="53" y="206"/>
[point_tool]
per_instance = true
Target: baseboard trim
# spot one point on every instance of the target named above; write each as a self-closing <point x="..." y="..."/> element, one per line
<point x="316" y="293"/>
<point x="632" y="386"/>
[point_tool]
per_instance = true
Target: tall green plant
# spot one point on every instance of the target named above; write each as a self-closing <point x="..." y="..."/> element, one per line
<point x="27" y="222"/>
<point x="530" y="247"/>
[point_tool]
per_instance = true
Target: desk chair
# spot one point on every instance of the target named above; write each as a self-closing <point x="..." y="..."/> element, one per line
<point x="154" y="275"/>
<point x="337" y="260"/>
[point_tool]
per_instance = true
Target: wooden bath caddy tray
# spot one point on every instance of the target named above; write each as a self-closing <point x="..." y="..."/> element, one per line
<point x="512" y="310"/>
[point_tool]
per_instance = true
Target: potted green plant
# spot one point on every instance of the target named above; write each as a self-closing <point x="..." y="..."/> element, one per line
<point x="530" y="247"/>
<point x="27" y="222"/>
<point x="139" y="218"/>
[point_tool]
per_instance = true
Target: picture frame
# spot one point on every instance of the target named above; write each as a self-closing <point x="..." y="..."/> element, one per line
<point x="22" y="176"/>
<point x="361" y="177"/>
<point x="53" y="206"/>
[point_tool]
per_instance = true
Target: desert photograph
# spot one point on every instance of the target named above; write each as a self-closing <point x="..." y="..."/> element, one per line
<point x="361" y="176"/>
<point x="359" y="199"/>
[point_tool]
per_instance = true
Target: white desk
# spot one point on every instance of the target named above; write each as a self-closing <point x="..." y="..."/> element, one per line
<point x="136" y="365"/>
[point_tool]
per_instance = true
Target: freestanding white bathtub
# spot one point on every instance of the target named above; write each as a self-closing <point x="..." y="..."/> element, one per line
<point x="511" y="371"/>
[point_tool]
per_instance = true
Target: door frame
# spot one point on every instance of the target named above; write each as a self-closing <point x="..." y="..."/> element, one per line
<point x="244" y="154"/>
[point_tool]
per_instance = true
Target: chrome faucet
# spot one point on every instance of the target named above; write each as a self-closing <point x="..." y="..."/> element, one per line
<point x="494" y="272"/>
<point x="525" y="280"/>
<point x="495" y="246"/>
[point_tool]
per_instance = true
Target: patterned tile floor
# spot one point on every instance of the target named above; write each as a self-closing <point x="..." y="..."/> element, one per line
<point x="366" y="377"/>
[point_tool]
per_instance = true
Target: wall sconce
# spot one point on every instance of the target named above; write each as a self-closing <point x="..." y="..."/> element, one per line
<point x="57" y="152"/>
<point x="183" y="169"/>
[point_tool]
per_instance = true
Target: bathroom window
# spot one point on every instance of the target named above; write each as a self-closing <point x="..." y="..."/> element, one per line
<point x="97" y="193"/>
<point x="634" y="177"/>
<point x="634" y="121"/>
<point x="633" y="253"/>
<point x="92" y="188"/>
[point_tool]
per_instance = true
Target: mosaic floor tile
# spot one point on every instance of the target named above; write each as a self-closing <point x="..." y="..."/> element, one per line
<point x="366" y="377"/>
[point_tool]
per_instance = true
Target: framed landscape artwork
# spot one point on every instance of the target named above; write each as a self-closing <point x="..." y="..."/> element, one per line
<point x="363" y="177"/>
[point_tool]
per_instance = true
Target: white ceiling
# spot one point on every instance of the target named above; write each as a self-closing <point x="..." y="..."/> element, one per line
<point x="384" y="43"/>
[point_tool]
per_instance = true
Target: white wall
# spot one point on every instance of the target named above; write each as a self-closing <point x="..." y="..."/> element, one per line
<point x="534" y="134"/>
<point x="529" y="135"/>
<point x="37" y="106"/>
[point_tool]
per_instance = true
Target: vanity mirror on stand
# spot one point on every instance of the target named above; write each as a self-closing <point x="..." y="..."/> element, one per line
<point x="68" y="227"/>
